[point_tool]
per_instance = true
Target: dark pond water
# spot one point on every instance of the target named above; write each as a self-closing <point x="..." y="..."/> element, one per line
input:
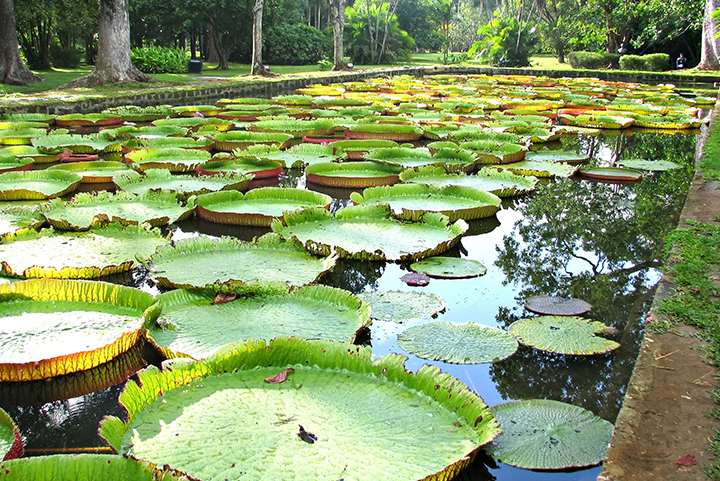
<point x="572" y="238"/>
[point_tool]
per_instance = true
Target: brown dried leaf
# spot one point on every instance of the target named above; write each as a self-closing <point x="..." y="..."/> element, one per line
<point x="279" y="377"/>
<point x="225" y="297"/>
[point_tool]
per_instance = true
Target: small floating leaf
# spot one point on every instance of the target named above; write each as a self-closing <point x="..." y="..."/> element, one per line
<point x="449" y="267"/>
<point x="401" y="306"/>
<point x="557" y="306"/>
<point x="563" y="335"/>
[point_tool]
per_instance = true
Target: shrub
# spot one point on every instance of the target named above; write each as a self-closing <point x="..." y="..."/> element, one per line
<point x="64" y="57"/>
<point x="632" y="62"/>
<point x="294" y="44"/>
<point x="593" y="60"/>
<point x="504" y="43"/>
<point x="325" y="65"/>
<point x="657" y="62"/>
<point x="159" y="60"/>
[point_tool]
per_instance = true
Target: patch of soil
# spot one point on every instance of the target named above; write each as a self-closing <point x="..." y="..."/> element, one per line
<point x="665" y="424"/>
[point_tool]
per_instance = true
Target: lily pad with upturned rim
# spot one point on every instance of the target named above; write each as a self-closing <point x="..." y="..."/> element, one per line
<point x="37" y="184"/>
<point x="193" y="326"/>
<point x="412" y="201"/>
<point x="241" y="139"/>
<point x="557" y="306"/>
<point x="156" y="180"/>
<point x="94" y="172"/>
<point x="301" y="155"/>
<point x="357" y="175"/>
<point x="468" y="343"/>
<point x="541" y="169"/>
<point x="651" y="165"/>
<point x="502" y="183"/>
<point x="12" y="445"/>
<point x="201" y="262"/>
<point x="257" y="207"/>
<point x="173" y="159"/>
<point x="557" y="156"/>
<point x="563" y="335"/>
<point x="550" y="435"/>
<point x="56" y="327"/>
<point x="370" y="233"/>
<point x="449" y="267"/>
<point x="84" y="255"/>
<point x="261" y="169"/>
<point x="611" y="174"/>
<point x="402" y="306"/>
<point x="78" y="144"/>
<point x="353" y="438"/>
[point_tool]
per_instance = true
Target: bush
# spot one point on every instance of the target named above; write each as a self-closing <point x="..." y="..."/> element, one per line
<point x="632" y="62"/>
<point x="159" y="60"/>
<point x="325" y="65"/>
<point x="504" y="43"/>
<point x="294" y="44"/>
<point x="64" y="57"/>
<point x="657" y="62"/>
<point x="593" y="60"/>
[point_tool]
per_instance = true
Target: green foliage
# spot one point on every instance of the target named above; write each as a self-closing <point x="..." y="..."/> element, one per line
<point x="386" y="44"/>
<point x="294" y="44"/>
<point x="632" y="62"/>
<point x="159" y="60"/>
<point x="710" y="163"/>
<point x="656" y="62"/>
<point x="325" y="65"/>
<point x="64" y="57"/>
<point x="593" y="60"/>
<point x="505" y="42"/>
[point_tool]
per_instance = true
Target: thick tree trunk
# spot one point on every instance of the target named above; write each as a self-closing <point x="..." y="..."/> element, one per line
<point x="710" y="51"/>
<point x="113" y="64"/>
<point x="337" y="11"/>
<point x="560" y="50"/>
<point x="12" y="69"/>
<point x="257" y="67"/>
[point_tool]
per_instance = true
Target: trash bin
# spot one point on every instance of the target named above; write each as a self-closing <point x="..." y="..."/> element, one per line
<point x="194" y="66"/>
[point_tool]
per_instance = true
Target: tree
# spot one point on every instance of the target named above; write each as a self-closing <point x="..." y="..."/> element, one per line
<point x="257" y="67"/>
<point x="113" y="63"/>
<point x="373" y="34"/>
<point x="710" y="51"/>
<point x="337" y="12"/>
<point x="12" y="69"/>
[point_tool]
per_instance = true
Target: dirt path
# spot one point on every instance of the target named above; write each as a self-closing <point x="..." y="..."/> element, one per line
<point x="666" y="413"/>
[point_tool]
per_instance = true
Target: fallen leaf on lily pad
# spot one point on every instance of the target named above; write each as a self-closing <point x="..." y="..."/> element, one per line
<point x="279" y="377"/>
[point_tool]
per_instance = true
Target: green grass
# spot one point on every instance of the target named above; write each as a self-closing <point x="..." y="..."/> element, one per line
<point x="710" y="162"/>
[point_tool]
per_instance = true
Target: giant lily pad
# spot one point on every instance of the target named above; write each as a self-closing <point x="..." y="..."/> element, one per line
<point x="156" y="180"/>
<point x="11" y="163"/>
<point x="563" y="335"/>
<point x="651" y="165"/>
<point x="201" y="262"/>
<point x="94" y="172"/>
<point x="557" y="306"/>
<point x="546" y="434"/>
<point x="394" y="132"/>
<point x="14" y="219"/>
<point x="301" y="155"/>
<point x="258" y="207"/>
<point x="402" y="306"/>
<point x="196" y="123"/>
<point x="355" y="149"/>
<point x="193" y="325"/>
<point x="611" y="174"/>
<point x="353" y="174"/>
<point x="490" y="152"/>
<point x="449" y="267"/>
<point x="85" y="210"/>
<point x="78" y="144"/>
<point x="468" y="343"/>
<point x="174" y="159"/>
<point x="345" y="436"/>
<point x="557" y="156"/>
<point x="296" y="128"/>
<point x="38" y="184"/>
<point x="55" y="327"/>
<point x="85" y="255"/>
<point x="11" y="441"/>
<point x="65" y="467"/>
<point x="502" y="183"/>
<point x="412" y="201"/>
<point x="228" y="141"/>
<point x="261" y="169"/>
<point x="541" y="169"/>
<point x="370" y="233"/>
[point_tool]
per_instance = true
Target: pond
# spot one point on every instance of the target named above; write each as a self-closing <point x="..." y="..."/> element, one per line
<point x="601" y="242"/>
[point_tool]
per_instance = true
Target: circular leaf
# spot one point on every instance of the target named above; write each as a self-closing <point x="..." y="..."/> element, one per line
<point x="545" y="434"/>
<point x="557" y="306"/>
<point x="458" y="343"/>
<point x="563" y="335"/>
<point x="401" y="306"/>
<point x="449" y="267"/>
<point x="652" y="165"/>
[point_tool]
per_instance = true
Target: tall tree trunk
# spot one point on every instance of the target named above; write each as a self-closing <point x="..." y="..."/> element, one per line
<point x="257" y="67"/>
<point x="337" y="12"/>
<point x="113" y="64"/>
<point x="560" y="50"/>
<point x="710" y="52"/>
<point x="12" y="69"/>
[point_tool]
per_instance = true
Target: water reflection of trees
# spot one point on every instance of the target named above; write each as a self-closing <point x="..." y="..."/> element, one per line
<point x="597" y="242"/>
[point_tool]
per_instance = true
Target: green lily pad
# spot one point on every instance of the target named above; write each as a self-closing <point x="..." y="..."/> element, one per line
<point x="370" y="233"/>
<point x="257" y="207"/>
<point x="11" y="441"/>
<point x="21" y="136"/>
<point x="14" y="219"/>
<point x="174" y="159"/>
<point x="502" y="183"/>
<point x="193" y="326"/>
<point x="449" y="267"/>
<point x="557" y="306"/>
<point x="241" y="139"/>
<point x="86" y="210"/>
<point x="458" y="343"/>
<point x="156" y="180"/>
<point x="55" y="327"/>
<point x="302" y="155"/>
<point x="557" y="156"/>
<point x="11" y="163"/>
<point x="94" y="172"/>
<point x="563" y="335"/>
<point x="651" y="165"/>
<point x="37" y="184"/>
<point x="356" y="148"/>
<point x="297" y="128"/>
<point x="87" y="120"/>
<point x="78" y="144"/>
<point x="491" y="152"/>
<point x="345" y="436"/>
<point x="357" y="175"/>
<point x="402" y="306"/>
<point x="66" y="467"/>
<point x="134" y="113"/>
<point x="541" y="169"/>
<point x="611" y="174"/>
<point x="546" y="434"/>
<point x="261" y="169"/>
<point x="167" y="143"/>
<point x="84" y="255"/>
<point x="196" y="123"/>
<point x="202" y="262"/>
<point x="412" y="201"/>
<point x="394" y="132"/>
